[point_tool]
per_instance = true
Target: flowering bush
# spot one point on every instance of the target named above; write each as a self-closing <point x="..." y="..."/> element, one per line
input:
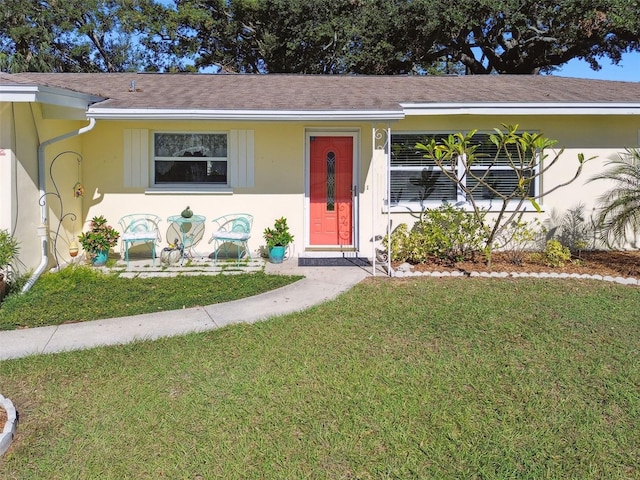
<point x="279" y="235"/>
<point x="100" y="237"/>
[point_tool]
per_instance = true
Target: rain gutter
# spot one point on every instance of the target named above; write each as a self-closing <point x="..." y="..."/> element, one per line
<point x="251" y="115"/>
<point x="516" y="108"/>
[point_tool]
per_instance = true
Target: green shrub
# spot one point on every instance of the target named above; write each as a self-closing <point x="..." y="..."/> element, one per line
<point x="398" y="239"/>
<point x="452" y="234"/>
<point x="8" y="249"/>
<point x="519" y="237"/>
<point x="555" y="254"/>
<point x="446" y="233"/>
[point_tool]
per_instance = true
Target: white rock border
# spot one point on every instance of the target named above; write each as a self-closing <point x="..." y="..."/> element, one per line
<point x="412" y="273"/>
<point x="6" y="436"/>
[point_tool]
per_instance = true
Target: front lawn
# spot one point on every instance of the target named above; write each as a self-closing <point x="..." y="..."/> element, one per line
<point x="79" y="294"/>
<point x="413" y="378"/>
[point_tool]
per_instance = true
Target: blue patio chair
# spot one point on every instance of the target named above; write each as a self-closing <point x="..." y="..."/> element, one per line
<point x="140" y="228"/>
<point x="232" y="229"/>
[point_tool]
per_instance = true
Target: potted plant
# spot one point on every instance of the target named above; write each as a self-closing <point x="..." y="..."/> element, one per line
<point x="8" y="251"/>
<point x="278" y="239"/>
<point x="98" y="240"/>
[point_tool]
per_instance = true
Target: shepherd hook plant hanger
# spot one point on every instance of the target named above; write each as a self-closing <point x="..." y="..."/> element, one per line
<point x="78" y="191"/>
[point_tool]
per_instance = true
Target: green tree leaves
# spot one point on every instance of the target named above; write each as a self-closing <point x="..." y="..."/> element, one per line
<point x="73" y="35"/>
<point x="314" y="36"/>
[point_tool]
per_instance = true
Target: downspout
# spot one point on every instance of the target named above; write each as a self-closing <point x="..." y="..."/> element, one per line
<point x="374" y="198"/>
<point x="387" y="156"/>
<point x="43" y="229"/>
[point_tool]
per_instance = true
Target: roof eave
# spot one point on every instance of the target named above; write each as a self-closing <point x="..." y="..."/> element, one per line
<point x="603" y="108"/>
<point x="47" y="95"/>
<point x="208" y="114"/>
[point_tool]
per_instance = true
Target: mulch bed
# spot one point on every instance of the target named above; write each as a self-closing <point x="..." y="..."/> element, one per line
<point x="613" y="263"/>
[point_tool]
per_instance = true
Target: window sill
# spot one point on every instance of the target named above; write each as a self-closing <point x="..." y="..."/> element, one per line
<point x="191" y="190"/>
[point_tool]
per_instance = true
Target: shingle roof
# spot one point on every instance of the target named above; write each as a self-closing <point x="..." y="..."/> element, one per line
<point x="325" y="92"/>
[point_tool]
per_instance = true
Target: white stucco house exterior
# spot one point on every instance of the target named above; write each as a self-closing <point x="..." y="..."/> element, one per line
<point x="323" y="151"/>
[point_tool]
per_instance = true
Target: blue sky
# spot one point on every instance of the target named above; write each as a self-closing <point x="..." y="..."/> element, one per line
<point x="627" y="70"/>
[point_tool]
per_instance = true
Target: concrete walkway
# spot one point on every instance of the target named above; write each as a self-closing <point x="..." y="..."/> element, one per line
<point x="319" y="285"/>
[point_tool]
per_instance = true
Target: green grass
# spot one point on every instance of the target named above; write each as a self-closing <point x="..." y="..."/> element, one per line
<point x="449" y="378"/>
<point x="79" y="294"/>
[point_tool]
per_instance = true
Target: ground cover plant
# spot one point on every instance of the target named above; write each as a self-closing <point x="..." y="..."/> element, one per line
<point x="79" y="294"/>
<point x="402" y="378"/>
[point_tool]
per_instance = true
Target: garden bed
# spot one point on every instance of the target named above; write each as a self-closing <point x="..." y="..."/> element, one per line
<point x="614" y="263"/>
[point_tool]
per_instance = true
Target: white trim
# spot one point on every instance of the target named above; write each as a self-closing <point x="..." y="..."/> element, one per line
<point x="48" y="95"/>
<point x="355" y="207"/>
<point x="516" y="108"/>
<point x="195" y="190"/>
<point x="197" y="114"/>
<point x="408" y="109"/>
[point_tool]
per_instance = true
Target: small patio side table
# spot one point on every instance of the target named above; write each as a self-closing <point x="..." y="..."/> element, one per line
<point x="191" y="230"/>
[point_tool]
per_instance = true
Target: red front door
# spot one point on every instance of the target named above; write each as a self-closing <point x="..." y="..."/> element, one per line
<point x="331" y="199"/>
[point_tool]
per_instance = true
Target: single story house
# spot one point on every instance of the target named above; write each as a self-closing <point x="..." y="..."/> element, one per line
<point x="318" y="150"/>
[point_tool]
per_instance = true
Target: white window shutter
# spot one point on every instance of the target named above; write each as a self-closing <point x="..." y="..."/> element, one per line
<point x="241" y="158"/>
<point x="136" y="158"/>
